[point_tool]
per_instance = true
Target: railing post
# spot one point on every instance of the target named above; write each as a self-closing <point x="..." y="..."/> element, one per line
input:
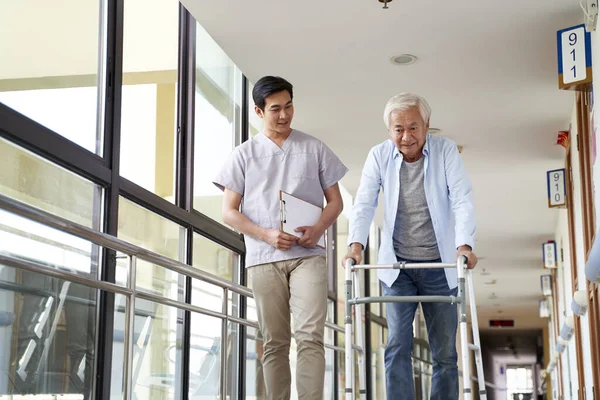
<point x="224" y="339"/>
<point x="130" y="329"/>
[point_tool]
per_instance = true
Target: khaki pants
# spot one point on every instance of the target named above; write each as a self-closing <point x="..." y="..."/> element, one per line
<point x="299" y="285"/>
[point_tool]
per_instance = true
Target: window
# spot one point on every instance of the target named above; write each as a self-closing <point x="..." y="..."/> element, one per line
<point x="48" y="325"/>
<point x="217" y="120"/>
<point x="255" y="124"/>
<point x="52" y="78"/>
<point x="374" y="284"/>
<point x="42" y="184"/>
<point x="149" y="96"/>
<point x="519" y="382"/>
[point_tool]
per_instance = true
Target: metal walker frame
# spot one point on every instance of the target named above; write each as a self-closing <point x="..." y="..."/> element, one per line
<point x="465" y="278"/>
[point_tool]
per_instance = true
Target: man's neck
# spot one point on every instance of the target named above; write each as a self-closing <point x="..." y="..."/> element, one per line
<point x="278" y="137"/>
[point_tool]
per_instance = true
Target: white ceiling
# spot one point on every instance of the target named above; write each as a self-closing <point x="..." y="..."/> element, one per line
<point x="488" y="69"/>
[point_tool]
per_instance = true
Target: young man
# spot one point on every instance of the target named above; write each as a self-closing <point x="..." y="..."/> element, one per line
<point x="286" y="272"/>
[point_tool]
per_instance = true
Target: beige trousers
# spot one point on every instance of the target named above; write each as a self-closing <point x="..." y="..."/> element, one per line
<point x="299" y="286"/>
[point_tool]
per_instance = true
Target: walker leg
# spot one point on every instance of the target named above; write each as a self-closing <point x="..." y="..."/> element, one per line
<point x="360" y="316"/>
<point x="464" y="343"/>
<point x="476" y="342"/>
<point x="349" y="359"/>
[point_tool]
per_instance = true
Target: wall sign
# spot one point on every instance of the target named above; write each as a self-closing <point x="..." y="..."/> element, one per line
<point x="550" y="256"/>
<point x="574" y="58"/>
<point x="546" y="283"/>
<point x="544" y="309"/>
<point x="557" y="188"/>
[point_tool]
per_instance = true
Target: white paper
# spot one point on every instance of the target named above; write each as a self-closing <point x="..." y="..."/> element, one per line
<point x="296" y="212"/>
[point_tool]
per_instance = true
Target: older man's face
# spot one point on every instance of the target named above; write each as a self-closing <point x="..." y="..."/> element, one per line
<point x="409" y="131"/>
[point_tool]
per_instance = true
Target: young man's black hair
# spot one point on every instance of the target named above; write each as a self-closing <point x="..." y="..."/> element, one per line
<point x="267" y="86"/>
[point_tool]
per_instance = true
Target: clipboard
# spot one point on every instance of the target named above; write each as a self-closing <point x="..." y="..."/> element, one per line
<point x="295" y="212"/>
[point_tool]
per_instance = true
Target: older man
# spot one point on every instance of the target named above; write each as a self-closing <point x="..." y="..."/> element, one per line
<point x="425" y="185"/>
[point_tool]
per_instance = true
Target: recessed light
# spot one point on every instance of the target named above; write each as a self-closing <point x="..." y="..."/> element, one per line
<point x="404" y="59"/>
<point x="434" y="131"/>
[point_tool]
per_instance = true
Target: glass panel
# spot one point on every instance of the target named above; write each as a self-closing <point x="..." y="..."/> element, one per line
<point x="217" y="120"/>
<point x="146" y="229"/>
<point x="30" y="240"/>
<point x="377" y="361"/>
<point x="341" y="362"/>
<point x="40" y="183"/>
<point x="256" y="123"/>
<point x="251" y="310"/>
<point x="53" y="80"/>
<point x="149" y="99"/>
<point x="374" y="284"/>
<point x="47" y="335"/>
<point x="330" y="373"/>
<point x="342" y="250"/>
<point x="157" y="352"/>
<point x="118" y="351"/>
<point x="205" y="357"/>
<point x="160" y="281"/>
<point x="255" y="384"/>
<point x="233" y="360"/>
<point x="216" y="260"/>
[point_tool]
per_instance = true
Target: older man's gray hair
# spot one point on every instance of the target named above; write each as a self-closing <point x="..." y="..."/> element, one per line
<point x="404" y="101"/>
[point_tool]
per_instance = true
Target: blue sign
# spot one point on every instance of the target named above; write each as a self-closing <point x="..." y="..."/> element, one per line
<point x="574" y="47"/>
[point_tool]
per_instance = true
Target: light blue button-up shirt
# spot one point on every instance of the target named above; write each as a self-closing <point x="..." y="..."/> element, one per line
<point x="448" y="193"/>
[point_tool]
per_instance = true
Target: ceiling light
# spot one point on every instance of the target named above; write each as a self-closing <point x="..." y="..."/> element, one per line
<point x="385" y="6"/>
<point x="404" y="59"/>
<point x="490" y="282"/>
<point x="434" y="131"/>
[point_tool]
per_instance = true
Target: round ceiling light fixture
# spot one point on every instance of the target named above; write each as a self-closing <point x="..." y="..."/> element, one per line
<point x="385" y="3"/>
<point x="434" y="131"/>
<point x="404" y="59"/>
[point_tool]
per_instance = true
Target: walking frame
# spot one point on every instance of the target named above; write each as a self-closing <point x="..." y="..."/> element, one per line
<point x="353" y="281"/>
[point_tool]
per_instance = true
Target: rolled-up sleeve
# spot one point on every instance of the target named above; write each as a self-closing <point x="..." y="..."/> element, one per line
<point x="232" y="174"/>
<point x="365" y="201"/>
<point x="461" y="197"/>
<point x="331" y="169"/>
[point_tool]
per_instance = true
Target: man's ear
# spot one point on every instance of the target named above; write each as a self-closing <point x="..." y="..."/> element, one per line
<point x="259" y="112"/>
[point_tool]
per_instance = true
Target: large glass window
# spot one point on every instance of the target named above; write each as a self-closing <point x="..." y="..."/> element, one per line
<point x="216" y="260"/>
<point x="52" y="78"/>
<point x="146" y="229"/>
<point x="42" y="184"/>
<point x="149" y="98"/>
<point x="256" y="124"/>
<point x="342" y="249"/>
<point x="47" y="335"/>
<point x="47" y="325"/>
<point x="374" y="284"/>
<point x="217" y="120"/>
<point x="519" y="382"/>
<point x="377" y="361"/>
<point x="255" y="381"/>
<point x="157" y="352"/>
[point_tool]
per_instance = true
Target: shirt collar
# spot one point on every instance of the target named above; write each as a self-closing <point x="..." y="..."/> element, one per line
<point x="425" y="148"/>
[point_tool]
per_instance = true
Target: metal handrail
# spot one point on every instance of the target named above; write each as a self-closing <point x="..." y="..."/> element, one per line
<point x="108" y="241"/>
<point x="130" y="291"/>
